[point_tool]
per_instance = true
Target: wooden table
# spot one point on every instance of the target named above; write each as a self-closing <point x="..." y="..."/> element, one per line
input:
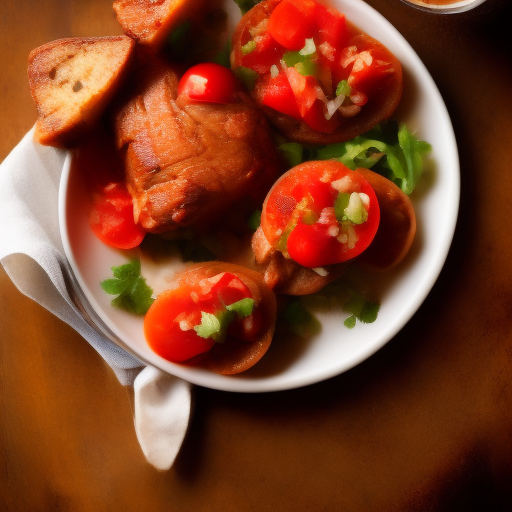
<point x="423" y="425"/>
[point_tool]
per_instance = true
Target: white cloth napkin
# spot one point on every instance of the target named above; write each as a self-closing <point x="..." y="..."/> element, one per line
<point x="32" y="254"/>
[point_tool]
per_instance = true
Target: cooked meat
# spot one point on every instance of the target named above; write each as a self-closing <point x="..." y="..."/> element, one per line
<point x="285" y="276"/>
<point x="150" y="21"/>
<point x="72" y="80"/>
<point x="188" y="163"/>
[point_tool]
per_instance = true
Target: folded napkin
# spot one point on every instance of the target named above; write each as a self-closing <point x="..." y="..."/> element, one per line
<point x="32" y="254"/>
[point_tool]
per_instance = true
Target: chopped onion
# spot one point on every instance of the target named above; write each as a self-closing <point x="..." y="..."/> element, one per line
<point x="320" y="271"/>
<point x="350" y="110"/>
<point x="365" y="199"/>
<point x="334" y="105"/>
<point x="333" y="230"/>
<point x="309" y="47"/>
<point x="259" y="28"/>
<point x="359" y="98"/>
<point x="348" y="56"/>
<point x="327" y="50"/>
<point x="274" y="71"/>
<point x="343" y="184"/>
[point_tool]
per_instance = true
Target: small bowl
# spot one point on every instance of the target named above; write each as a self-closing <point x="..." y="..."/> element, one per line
<point x="450" y="7"/>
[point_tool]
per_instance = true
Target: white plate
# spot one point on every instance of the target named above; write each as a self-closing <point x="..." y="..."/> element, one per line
<point x="336" y="349"/>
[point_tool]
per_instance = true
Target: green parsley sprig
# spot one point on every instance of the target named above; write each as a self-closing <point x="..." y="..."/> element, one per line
<point x="132" y="292"/>
<point x="388" y="149"/>
<point x="215" y="325"/>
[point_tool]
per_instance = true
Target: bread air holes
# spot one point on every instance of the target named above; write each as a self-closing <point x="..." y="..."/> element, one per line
<point x="78" y="86"/>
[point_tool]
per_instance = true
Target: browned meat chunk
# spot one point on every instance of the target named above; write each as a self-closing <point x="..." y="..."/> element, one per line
<point x="188" y="163"/>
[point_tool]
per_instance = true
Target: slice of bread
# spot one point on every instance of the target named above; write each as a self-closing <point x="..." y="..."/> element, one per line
<point x="71" y="81"/>
<point x="150" y="21"/>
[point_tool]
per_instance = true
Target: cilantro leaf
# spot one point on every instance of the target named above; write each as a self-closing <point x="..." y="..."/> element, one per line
<point x="210" y="326"/>
<point x="292" y="152"/>
<point x="132" y="292"/>
<point x="215" y="325"/>
<point x="300" y="321"/>
<point x="388" y="149"/>
<point x="254" y="220"/>
<point x="360" y="309"/>
<point x="243" y="308"/>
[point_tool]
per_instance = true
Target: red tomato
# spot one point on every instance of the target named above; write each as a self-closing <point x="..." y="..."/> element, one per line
<point x="319" y="239"/>
<point x="169" y="323"/>
<point x="332" y="27"/>
<point x="292" y="22"/>
<point x="164" y="332"/>
<point x="279" y="96"/>
<point x="112" y="220"/>
<point x="376" y="90"/>
<point x="266" y="53"/>
<point x="322" y="194"/>
<point x="311" y="246"/>
<point x="367" y="77"/>
<point x="208" y="82"/>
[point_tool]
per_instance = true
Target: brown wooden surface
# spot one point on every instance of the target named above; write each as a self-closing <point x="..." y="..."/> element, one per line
<point x="423" y="425"/>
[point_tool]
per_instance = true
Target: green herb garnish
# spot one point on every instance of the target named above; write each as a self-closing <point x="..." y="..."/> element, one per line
<point x="292" y="153"/>
<point x="300" y="321"/>
<point x="133" y="294"/>
<point x="254" y="220"/>
<point x="343" y="88"/>
<point x="388" y="149"/>
<point x="215" y="325"/>
<point x="247" y="76"/>
<point x="248" y="47"/>
<point x="360" y="309"/>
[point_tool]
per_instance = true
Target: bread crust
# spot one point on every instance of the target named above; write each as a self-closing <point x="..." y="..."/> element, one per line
<point x="150" y="22"/>
<point x="72" y="81"/>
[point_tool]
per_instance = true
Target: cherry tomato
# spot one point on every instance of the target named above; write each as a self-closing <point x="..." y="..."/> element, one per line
<point x="169" y="323"/>
<point x="111" y="218"/>
<point x="300" y="219"/>
<point x="208" y="82"/>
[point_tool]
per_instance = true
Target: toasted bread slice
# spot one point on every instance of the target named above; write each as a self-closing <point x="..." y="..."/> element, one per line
<point x="151" y="21"/>
<point x="71" y="81"/>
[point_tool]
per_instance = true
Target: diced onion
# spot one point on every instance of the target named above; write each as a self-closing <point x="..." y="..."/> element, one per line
<point x="333" y="230"/>
<point x="327" y="50"/>
<point x="350" y="110"/>
<point x="359" y="99"/>
<point x="320" y="271"/>
<point x="309" y="47"/>
<point x="274" y="71"/>
<point x="365" y="199"/>
<point x="333" y="106"/>
<point x="343" y="184"/>
<point x="348" y="56"/>
<point x="259" y="28"/>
